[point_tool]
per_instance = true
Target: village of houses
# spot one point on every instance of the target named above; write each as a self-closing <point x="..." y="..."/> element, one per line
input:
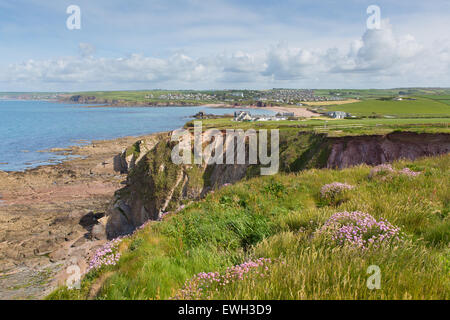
<point x="283" y="96"/>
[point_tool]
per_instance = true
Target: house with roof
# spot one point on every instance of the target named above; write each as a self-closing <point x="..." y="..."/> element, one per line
<point x="338" y="114"/>
<point x="242" y="116"/>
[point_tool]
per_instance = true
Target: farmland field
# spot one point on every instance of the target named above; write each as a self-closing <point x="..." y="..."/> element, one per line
<point x="421" y="107"/>
<point x="342" y="127"/>
<point x="440" y="98"/>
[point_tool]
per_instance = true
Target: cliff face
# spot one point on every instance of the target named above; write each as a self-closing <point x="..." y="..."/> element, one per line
<point x="375" y="150"/>
<point x="156" y="185"/>
<point x="126" y="161"/>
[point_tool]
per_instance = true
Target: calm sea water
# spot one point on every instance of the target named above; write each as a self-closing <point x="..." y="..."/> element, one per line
<point x="28" y="127"/>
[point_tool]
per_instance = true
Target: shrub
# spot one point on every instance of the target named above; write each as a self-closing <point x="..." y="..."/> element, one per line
<point x="275" y="188"/>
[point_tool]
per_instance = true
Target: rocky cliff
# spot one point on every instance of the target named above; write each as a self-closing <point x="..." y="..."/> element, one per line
<point x="156" y="185"/>
<point x="374" y="150"/>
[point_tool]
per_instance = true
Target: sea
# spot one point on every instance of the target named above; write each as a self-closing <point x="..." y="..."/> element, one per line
<point x="28" y="129"/>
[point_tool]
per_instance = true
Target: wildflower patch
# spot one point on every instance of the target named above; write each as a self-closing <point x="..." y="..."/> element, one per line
<point x="385" y="172"/>
<point x="359" y="229"/>
<point x="108" y="255"/>
<point x="203" y="285"/>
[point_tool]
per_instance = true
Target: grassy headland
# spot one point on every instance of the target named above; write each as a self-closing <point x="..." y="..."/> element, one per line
<point x="278" y="218"/>
<point x="269" y="237"/>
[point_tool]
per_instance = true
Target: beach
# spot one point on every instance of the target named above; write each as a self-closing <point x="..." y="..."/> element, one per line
<point x="297" y="111"/>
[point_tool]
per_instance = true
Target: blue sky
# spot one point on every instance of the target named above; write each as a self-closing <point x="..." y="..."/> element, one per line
<point x="212" y="44"/>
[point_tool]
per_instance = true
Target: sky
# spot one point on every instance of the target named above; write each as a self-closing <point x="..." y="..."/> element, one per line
<point x="223" y="44"/>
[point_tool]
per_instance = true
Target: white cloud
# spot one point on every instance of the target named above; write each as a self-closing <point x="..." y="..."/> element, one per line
<point x="284" y="63"/>
<point x="378" y="51"/>
<point x="380" y="58"/>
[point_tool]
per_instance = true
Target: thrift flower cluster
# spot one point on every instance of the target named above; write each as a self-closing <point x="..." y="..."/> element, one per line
<point x="409" y="172"/>
<point x="203" y="283"/>
<point x="330" y="191"/>
<point x="107" y="255"/>
<point x="381" y="170"/>
<point x="359" y="229"/>
<point x="386" y="170"/>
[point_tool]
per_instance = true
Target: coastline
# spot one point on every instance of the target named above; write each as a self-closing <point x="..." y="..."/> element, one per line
<point x="45" y="214"/>
<point x="298" y="111"/>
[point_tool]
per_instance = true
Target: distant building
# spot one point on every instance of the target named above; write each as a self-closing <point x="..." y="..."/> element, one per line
<point x="338" y="114"/>
<point x="242" y="116"/>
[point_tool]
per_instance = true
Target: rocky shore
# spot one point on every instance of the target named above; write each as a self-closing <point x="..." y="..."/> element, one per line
<point x="48" y="217"/>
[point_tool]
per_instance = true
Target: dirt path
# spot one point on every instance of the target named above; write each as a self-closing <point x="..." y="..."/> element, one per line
<point x="46" y="215"/>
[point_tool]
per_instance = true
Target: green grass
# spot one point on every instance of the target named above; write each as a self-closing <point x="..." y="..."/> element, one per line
<point x="440" y="98"/>
<point x="276" y="217"/>
<point x="342" y="127"/>
<point x="421" y="107"/>
<point x="378" y="93"/>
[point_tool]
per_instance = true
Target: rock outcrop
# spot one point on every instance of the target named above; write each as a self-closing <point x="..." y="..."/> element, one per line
<point x="156" y="185"/>
<point x="375" y="150"/>
<point x="130" y="156"/>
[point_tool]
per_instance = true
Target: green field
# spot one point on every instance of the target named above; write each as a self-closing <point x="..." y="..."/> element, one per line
<point x="440" y="98"/>
<point x="421" y="107"/>
<point x="278" y="218"/>
<point x="343" y="127"/>
<point x="378" y="93"/>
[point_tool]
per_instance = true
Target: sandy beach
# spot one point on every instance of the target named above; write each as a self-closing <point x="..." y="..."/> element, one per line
<point x="298" y="111"/>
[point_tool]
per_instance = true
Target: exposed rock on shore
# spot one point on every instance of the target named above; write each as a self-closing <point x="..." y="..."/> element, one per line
<point x="52" y="215"/>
